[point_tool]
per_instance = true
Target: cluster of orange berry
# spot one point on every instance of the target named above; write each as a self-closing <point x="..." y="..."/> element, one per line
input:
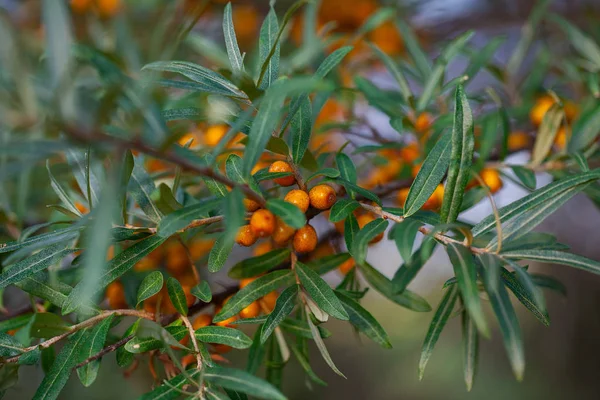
<point x="104" y="8"/>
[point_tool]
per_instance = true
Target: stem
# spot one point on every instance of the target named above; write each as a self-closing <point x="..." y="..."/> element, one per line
<point x="188" y="324"/>
<point x="104" y="351"/>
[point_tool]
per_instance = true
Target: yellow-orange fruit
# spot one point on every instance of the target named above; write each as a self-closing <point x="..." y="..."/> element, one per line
<point x="518" y="140"/>
<point x="200" y="247"/>
<point x="270" y="299"/>
<point x="82" y="208"/>
<point x="283" y="232"/>
<point x="571" y="110"/>
<point x="201" y="321"/>
<point x="322" y="197"/>
<point x="435" y="200"/>
<point x="364" y="219"/>
<point x="193" y="138"/>
<point x="560" y="140"/>
<point x="299" y="198"/>
<point x="108" y="8"/>
<point x="228" y="321"/>
<point x="540" y="108"/>
<point x="251" y="205"/>
<point x="387" y="38"/>
<point x="305" y="239"/>
<point x="282" y="166"/>
<point x="251" y="311"/>
<point x="188" y="359"/>
<point x="145" y="264"/>
<point x="492" y="179"/>
<point x="189" y="297"/>
<point x="246" y="236"/>
<point x="246" y="281"/>
<point x="177" y="260"/>
<point x="116" y="296"/>
<point x="263" y="248"/>
<point x="415" y="170"/>
<point x="221" y="348"/>
<point x="214" y="134"/>
<point x="263" y="223"/>
<point x="347" y="266"/>
<point x="246" y="20"/>
<point x="81" y="6"/>
<point x="410" y="153"/>
<point x="401" y="196"/>
<point x="423" y="122"/>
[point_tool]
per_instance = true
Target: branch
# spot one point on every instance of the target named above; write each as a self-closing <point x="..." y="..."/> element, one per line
<point x="104" y="351"/>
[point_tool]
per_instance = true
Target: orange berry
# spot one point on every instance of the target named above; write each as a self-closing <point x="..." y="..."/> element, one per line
<point x="347" y="266"/>
<point x="214" y="134"/>
<point x="299" y="198"/>
<point x="435" y="200"/>
<point x="116" y="296"/>
<point x="177" y="260"/>
<point x="423" y="122"/>
<point x="201" y="321"/>
<point x="283" y="232"/>
<point x="246" y="236"/>
<point x="282" y="166"/>
<point x="410" y="153"/>
<point x="263" y="248"/>
<point x="187" y="360"/>
<point x="82" y="208"/>
<point x="363" y="220"/>
<point x="246" y="281"/>
<point x="145" y="264"/>
<point x="402" y="195"/>
<point x="540" y="108"/>
<point x="415" y="170"/>
<point x="305" y="239"/>
<point x="571" y="110"/>
<point x="263" y="223"/>
<point x="221" y="348"/>
<point x="200" y="247"/>
<point x="387" y="38"/>
<point x="108" y="8"/>
<point x="560" y="140"/>
<point x="251" y="205"/>
<point x="189" y="297"/>
<point x="270" y="299"/>
<point x="228" y="321"/>
<point x="322" y="197"/>
<point x="250" y="311"/>
<point x="80" y="6"/>
<point x="517" y="141"/>
<point x="246" y="20"/>
<point x="492" y="179"/>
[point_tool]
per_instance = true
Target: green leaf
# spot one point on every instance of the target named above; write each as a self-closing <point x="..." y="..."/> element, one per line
<point x="202" y="291"/>
<point x="9" y="346"/>
<point x="215" y="187"/>
<point x="430" y="175"/>
<point x="47" y="325"/>
<point x="464" y="270"/>
<point x="351" y="229"/>
<point x="43" y="240"/>
<point x="206" y="79"/>
<point x="383" y="285"/>
<point x="470" y="348"/>
<point x="546" y="134"/>
<point x="364" y="321"/>
<point x="351" y="187"/>
<point x="268" y="50"/>
<point x="141" y="187"/>
<point x="328" y="172"/>
<point x="395" y="71"/>
<point x="342" y="208"/>
<point x="241" y="381"/>
<point x="555" y="257"/>
<point x="33" y="264"/>
<point x="332" y="60"/>
<point x="509" y="324"/>
<point x="219" y="254"/>
<point x="62" y="195"/>
<point x="255" y="266"/>
<point x="301" y="329"/>
<point x="436" y="326"/>
<point x="584" y="44"/>
<point x="139" y="345"/>
<point x="305" y="364"/>
<point x="346" y="167"/>
<point x="409" y="270"/>
<point x="59" y="373"/>
<point x="124" y="357"/>
<point x="57" y="25"/>
<point x="234" y="212"/>
<point x="526" y="176"/>
<point x="255" y="290"/>
<point x="301" y="129"/>
<point x="233" y="50"/>
<point x="171" y="389"/>
<point x="288" y="212"/>
<point x="463" y="143"/>
<point x="320" y="292"/>
<point x="524" y="296"/>
<point x="177" y="295"/>
<point x="116" y="267"/>
<point x="585" y="130"/>
<point x="364" y="236"/>
<point x="223" y="335"/>
<point x="233" y="168"/>
<point x="152" y="284"/>
<point x="94" y="342"/>
<point x="322" y="348"/>
<point x="537" y="199"/>
<point x="328" y="263"/>
<point x="404" y="235"/>
<point x="283" y="307"/>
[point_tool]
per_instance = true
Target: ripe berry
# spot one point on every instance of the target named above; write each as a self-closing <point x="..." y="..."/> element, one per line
<point x="282" y="166"/>
<point x="250" y="311"/>
<point x="246" y="281"/>
<point x="201" y="321"/>
<point x="363" y="220"/>
<point x="491" y="177"/>
<point x="517" y="141"/>
<point x="540" y="108"/>
<point x="263" y="248"/>
<point x="251" y="205"/>
<point x="322" y="197"/>
<point x="402" y="195"/>
<point x="347" y="266"/>
<point x="188" y="359"/>
<point x="108" y="8"/>
<point x="435" y="200"/>
<point x="228" y="321"/>
<point x="246" y="236"/>
<point x="270" y="299"/>
<point x="299" y="198"/>
<point x="263" y="223"/>
<point x="283" y="232"/>
<point x="305" y="239"/>
<point x="116" y="296"/>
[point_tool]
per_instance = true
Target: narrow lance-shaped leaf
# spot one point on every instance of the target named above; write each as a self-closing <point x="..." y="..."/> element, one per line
<point x="341" y="209"/>
<point x="223" y="335"/>
<point x="430" y="175"/>
<point x="301" y="129"/>
<point x="470" y="347"/>
<point x="242" y="381"/>
<point x="151" y="285"/>
<point x="322" y="348"/>
<point x="257" y="265"/>
<point x="463" y="143"/>
<point x="62" y="195"/>
<point x="181" y="218"/>
<point x="364" y="236"/>
<point x="524" y="296"/>
<point x="94" y="343"/>
<point x="231" y="44"/>
<point x="466" y="275"/>
<point x="141" y="187"/>
<point x="320" y="292"/>
<point x="283" y="307"/>
<point x="219" y="253"/>
<point x="546" y="134"/>
<point x="437" y="325"/>
<point x="364" y="321"/>
<point x="177" y="295"/>
<point x="202" y="291"/>
<point x="396" y="73"/>
<point x="267" y="40"/>
<point x="86" y="179"/>
<point x="287" y="212"/>
<point x="555" y="257"/>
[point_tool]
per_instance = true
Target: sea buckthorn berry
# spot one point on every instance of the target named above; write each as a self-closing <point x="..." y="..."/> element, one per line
<point x="214" y="134"/>
<point x="347" y="266"/>
<point x="410" y="153"/>
<point x="540" y="108"/>
<point x="492" y="179"/>
<point x="201" y="321"/>
<point x="116" y="296"/>
<point x="402" y="195"/>
<point x="82" y="208"/>
<point x="263" y="248"/>
<point x="188" y="359"/>
<point x="282" y="166"/>
<point x="251" y="205"/>
<point x="80" y="6"/>
<point x="283" y="232"/>
<point x="270" y="299"/>
<point x="423" y="122"/>
<point x="517" y="141"/>
<point x="228" y="321"/>
<point x="305" y="239"/>
<point x="322" y="197"/>
<point x="190" y="299"/>
<point x="251" y="311"/>
<point x="415" y="170"/>
<point x="435" y="200"/>
<point x="200" y="247"/>
<point x="246" y="236"/>
<point x="108" y="8"/>
<point x="560" y="141"/>
<point x="363" y="220"/>
<point x="263" y="223"/>
<point x="571" y="110"/>
<point x="221" y="348"/>
<point x="299" y="198"/>
<point x="246" y="281"/>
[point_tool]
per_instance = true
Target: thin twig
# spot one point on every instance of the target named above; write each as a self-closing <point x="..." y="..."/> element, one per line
<point x="104" y="351"/>
<point x="188" y="324"/>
